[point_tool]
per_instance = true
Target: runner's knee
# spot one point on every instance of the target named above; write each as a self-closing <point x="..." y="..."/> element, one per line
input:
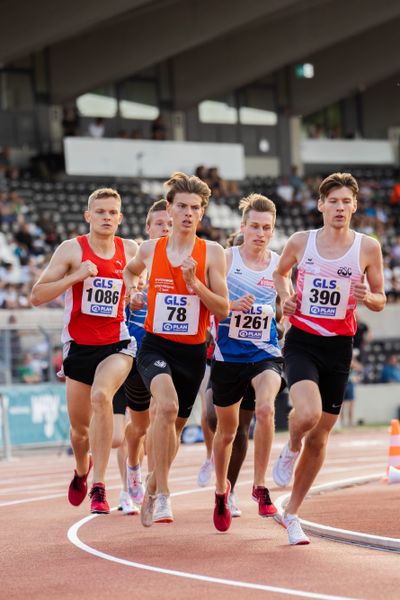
<point x="264" y="413"/>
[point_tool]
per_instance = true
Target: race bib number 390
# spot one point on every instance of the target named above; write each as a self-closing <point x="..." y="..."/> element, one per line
<point x="325" y="297"/>
<point x="176" y="314"/>
<point x="254" y="324"/>
<point x="101" y="296"/>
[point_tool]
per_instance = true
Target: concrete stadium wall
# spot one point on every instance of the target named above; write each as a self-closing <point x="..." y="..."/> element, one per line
<point x="377" y="403"/>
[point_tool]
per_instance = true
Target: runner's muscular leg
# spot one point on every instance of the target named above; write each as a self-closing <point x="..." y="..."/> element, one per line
<point x="266" y="386"/>
<point x="227" y="424"/>
<point x="311" y="460"/>
<point x="109" y="376"/>
<point x="135" y="434"/>
<point x="163" y="432"/>
<point x="79" y="412"/>
<point x="307" y="410"/>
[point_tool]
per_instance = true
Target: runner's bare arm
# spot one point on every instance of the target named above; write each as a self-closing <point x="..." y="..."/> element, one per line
<point x="373" y="298"/>
<point x="131" y="248"/>
<point x="290" y="256"/>
<point x="64" y="269"/>
<point x="215" y="297"/>
<point x="137" y="264"/>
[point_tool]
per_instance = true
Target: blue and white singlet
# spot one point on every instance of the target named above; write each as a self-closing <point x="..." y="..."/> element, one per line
<point x="249" y="336"/>
<point x="135" y="320"/>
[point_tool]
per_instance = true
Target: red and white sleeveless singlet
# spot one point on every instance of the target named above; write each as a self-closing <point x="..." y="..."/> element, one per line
<point x="94" y="308"/>
<point x="324" y="288"/>
<point x="173" y="312"/>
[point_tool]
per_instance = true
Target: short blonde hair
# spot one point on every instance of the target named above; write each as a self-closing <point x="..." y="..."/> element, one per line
<point x="258" y="203"/>
<point x="157" y="206"/>
<point x="103" y="193"/>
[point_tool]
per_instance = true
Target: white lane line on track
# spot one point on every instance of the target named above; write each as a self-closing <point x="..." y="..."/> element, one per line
<point x="336" y="533"/>
<point x="74" y="539"/>
<point x="176" y="479"/>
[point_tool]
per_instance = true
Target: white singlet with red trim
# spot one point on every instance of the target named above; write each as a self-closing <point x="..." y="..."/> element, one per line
<point x="324" y="288"/>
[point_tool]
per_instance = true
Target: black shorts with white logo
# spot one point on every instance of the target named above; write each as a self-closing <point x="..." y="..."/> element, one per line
<point x="231" y="381"/>
<point x="185" y="363"/>
<point x="81" y="361"/>
<point x="322" y="359"/>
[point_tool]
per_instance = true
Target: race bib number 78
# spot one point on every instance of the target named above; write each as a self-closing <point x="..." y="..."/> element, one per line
<point x="176" y="314"/>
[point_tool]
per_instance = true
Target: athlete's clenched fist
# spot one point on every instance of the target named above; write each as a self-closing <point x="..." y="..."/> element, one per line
<point x="87" y="269"/>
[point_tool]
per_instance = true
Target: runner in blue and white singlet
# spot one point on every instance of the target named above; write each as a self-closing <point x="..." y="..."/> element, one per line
<point x="247" y="357"/>
<point x="249" y="336"/>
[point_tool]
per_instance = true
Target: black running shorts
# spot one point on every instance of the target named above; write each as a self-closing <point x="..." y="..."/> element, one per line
<point x="132" y="394"/>
<point x="230" y="381"/>
<point x="81" y="361"/>
<point x="324" y="360"/>
<point x="185" y="363"/>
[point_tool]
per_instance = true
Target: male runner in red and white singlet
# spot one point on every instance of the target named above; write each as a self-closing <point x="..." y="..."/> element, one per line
<point x="332" y="263"/>
<point x="98" y="351"/>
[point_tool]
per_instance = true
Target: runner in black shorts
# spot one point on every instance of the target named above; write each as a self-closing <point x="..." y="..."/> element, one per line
<point x="186" y="283"/>
<point x="98" y="351"/>
<point x="332" y="263"/>
<point x="247" y="353"/>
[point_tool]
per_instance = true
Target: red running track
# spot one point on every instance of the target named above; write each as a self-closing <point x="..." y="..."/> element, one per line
<point x="113" y="556"/>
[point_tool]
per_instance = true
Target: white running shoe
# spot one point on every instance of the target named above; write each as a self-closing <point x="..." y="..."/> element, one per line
<point x="284" y="466"/>
<point x="205" y="473"/>
<point x="296" y="535"/>
<point x="127" y="506"/>
<point x="134" y="484"/>
<point x="147" y="508"/>
<point x="162" y="509"/>
<point x="233" y="507"/>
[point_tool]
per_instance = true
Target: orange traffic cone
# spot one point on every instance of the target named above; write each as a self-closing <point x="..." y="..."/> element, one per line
<point x="394" y="449"/>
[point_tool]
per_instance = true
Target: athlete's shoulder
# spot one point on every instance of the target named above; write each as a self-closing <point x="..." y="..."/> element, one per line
<point x="70" y="246"/>
<point x="130" y="246"/>
<point x="370" y="247"/>
<point x="299" y="237"/>
<point x="213" y="246"/>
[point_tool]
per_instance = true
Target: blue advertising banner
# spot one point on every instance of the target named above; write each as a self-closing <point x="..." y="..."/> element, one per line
<point x="36" y="413"/>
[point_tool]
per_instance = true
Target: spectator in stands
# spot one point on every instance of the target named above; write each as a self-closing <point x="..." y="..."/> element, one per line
<point x="70" y="122"/>
<point x="216" y="184"/>
<point x="347" y="411"/>
<point x="158" y="129"/>
<point x="285" y="191"/>
<point x="201" y="172"/>
<point x="391" y="370"/>
<point x="27" y="371"/>
<point x="295" y="180"/>
<point x="97" y="128"/>
<point x="136" y="134"/>
<point x="362" y="337"/>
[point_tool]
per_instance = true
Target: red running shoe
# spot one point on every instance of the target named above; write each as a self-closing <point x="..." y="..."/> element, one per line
<point x="99" y="504"/>
<point x="222" y="514"/>
<point x="266" y="507"/>
<point x="78" y="487"/>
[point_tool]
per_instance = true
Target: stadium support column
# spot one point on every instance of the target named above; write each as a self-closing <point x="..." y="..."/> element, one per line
<point x="284" y="140"/>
